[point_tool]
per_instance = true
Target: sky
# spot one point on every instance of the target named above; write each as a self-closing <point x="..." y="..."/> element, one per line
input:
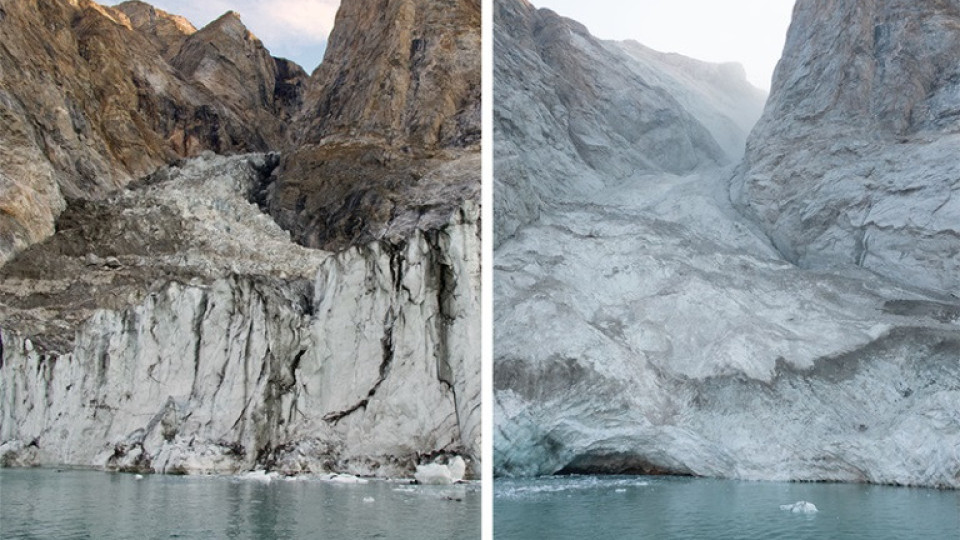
<point x="751" y="32"/>
<point x="294" y="29"/>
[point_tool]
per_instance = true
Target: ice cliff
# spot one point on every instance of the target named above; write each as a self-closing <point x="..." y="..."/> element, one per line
<point x="189" y="322"/>
<point x="644" y="322"/>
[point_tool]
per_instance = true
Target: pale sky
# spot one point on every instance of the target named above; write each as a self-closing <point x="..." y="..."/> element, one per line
<point x="294" y="29"/>
<point x="751" y="32"/>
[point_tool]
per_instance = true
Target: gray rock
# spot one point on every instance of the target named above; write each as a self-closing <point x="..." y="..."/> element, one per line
<point x="855" y="158"/>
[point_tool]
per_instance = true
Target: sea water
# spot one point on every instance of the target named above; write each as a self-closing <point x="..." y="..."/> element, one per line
<point x="584" y="507"/>
<point x="46" y="503"/>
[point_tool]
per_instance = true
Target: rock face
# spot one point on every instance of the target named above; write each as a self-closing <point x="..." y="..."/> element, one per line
<point x="98" y="105"/>
<point x="165" y="30"/>
<point x="646" y="326"/>
<point x="410" y="78"/>
<point x="855" y="159"/>
<point x="174" y="326"/>
<point x="567" y="101"/>
<point x="233" y="64"/>
<point x="388" y="140"/>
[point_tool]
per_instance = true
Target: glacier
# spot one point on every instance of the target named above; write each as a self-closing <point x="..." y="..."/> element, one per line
<point x="647" y="321"/>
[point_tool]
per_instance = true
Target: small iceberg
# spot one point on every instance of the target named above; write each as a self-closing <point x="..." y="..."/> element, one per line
<point x="800" y="507"/>
<point x="258" y="476"/>
<point x="438" y="474"/>
<point x="343" y="479"/>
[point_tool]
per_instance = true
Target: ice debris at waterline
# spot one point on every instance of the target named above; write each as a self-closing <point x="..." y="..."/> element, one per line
<point x="259" y="476"/>
<point x="800" y="507"/>
<point x="440" y="474"/>
<point x="343" y="479"/>
<point x="268" y="476"/>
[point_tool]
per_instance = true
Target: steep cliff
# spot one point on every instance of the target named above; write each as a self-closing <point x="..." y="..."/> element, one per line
<point x="410" y="78"/>
<point x="388" y="137"/>
<point x="174" y="326"/>
<point x="855" y="158"/>
<point x="645" y="325"/>
<point x="568" y="101"/>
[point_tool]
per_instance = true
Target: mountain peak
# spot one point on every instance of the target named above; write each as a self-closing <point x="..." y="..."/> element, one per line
<point x="230" y="24"/>
<point x="165" y="30"/>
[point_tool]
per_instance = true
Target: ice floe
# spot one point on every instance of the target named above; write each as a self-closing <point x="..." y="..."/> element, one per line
<point x="800" y="507"/>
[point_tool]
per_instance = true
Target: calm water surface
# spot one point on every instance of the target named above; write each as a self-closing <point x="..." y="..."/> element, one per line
<point x="680" y="508"/>
<point x="87" y="504"/>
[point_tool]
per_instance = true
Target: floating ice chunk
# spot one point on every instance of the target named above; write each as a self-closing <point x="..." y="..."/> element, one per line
<point x="258" y="476"/>
<point x="457" y="467"/>
<point x="433" y="474"/>
<point x="800" y="507"/>
<point x="620" y="490"/>
<point x="368" y="499"/>
<point x="343" y="479"/>
<point x="439" y="474"/>
<point x="138" y="477"/>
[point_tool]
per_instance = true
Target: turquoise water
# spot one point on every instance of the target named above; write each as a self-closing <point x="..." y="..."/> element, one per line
<point x="47" y="504"/>
<point x="678" y="508"/>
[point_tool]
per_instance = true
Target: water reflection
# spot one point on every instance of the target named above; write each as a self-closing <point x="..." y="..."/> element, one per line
<point x="678" y="508"/>
<point x="86" y="504"/>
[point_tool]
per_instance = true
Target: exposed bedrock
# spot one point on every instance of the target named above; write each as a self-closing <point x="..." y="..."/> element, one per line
<point x="855" y="158"/>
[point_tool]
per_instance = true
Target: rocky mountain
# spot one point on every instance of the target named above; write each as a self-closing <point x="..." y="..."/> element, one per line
<point x="173" y="325"/>
<point x="412" y="52"/>
<point x="854" y="161"/>
<point x="645" y="324"/>
<point x="90" y="103"/>
<point x="371" y="160"/>
<point x="165" y="30"/>
<point x="568" y="101"/>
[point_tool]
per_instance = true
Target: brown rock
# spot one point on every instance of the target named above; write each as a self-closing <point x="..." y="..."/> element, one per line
<point x="230" y="62"/>
<point x="403" y="72"/>
<point x="165" y="30"/>
<point x="89" y="102"/>
<point x="342" y="194"/>
<point x="390" y="127"/>
<point x="387" y="129"/>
